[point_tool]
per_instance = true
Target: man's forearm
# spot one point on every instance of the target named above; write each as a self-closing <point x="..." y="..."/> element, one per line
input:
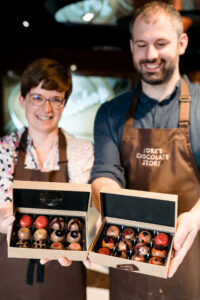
<point x="98" y="184"/>
<point x="196" y="210"/>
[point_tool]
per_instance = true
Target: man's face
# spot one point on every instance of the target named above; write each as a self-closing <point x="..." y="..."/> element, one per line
<point x="155" y="49"/>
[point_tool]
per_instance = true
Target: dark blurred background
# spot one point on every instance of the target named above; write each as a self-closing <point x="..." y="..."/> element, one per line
<point x="91" y="37"/>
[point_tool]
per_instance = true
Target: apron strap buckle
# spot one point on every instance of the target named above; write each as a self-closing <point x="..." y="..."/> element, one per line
<point x="185" y="98"/>
<point x="184" y="123"/>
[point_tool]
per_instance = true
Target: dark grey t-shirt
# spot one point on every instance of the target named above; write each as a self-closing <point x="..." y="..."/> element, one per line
<point x="150" y="114"/>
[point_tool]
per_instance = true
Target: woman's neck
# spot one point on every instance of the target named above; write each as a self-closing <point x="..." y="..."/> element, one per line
<point x="43" y="143"/>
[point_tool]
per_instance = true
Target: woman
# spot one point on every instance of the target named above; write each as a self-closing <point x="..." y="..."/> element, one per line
<point x="41" y="152"/>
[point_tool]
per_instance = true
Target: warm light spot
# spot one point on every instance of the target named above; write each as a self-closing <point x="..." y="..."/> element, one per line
<point x="26" y="23"/>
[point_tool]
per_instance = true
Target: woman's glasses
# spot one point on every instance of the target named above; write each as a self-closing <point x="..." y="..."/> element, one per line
<point x="39" y="100"/>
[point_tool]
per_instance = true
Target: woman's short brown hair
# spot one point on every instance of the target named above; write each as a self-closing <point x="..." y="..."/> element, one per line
<point x="50" y="73"/>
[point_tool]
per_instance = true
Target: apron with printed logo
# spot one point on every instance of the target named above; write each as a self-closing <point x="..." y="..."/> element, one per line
<point x="161" y="160"/>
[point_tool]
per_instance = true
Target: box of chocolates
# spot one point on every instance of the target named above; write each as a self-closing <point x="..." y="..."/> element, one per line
<point x="50" y="220"/>
<point x="136" y="232"/>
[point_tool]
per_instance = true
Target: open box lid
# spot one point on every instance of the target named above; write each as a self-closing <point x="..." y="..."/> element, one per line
<point x="51" y="195"/>
<point x="146" y="207"/>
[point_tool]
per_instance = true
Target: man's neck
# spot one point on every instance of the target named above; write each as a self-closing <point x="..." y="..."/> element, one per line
<point x="161" y="91"/>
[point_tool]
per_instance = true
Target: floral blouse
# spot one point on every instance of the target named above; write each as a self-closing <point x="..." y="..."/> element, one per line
<point x="79" y="154"/>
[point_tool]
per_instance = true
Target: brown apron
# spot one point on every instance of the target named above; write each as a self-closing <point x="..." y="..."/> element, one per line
<point x="59" y="282"/>
<point x="161" y="160"/>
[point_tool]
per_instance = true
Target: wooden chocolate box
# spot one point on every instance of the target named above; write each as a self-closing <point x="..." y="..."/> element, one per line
<point x="141" y="211"/>
<point x="50" y="199"/>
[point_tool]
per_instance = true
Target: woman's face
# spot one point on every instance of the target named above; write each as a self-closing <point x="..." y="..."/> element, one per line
<point x="43" y="118"/>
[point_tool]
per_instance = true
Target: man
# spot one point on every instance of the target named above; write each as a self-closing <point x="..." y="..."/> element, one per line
<point x="156" y="116"/>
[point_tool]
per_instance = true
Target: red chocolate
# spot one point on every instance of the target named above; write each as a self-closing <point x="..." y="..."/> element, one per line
<point x="161" y="240"/>
<point x="40" y="234"/>
<point x="74" y="224"/>
<point x="57" y="246"/>
<point x="113" y="231"/>
<point x="128" y="234"/>
<point x="41" y="222"/>
<point x="157" y="252"/>
<point x="73" y="237"/>
<point x="74" y="246"/>
<point x="57" y="236"/>
<point x="24" y="233"/>
<point x="155" y="260"/>
<point x="104" y="251"/>
<point x="144" y="237"/>
<point x="26" y="221"/>
<point x="125" y="245"/>
<point x="58" y="223"/>
<point x="138" y="257"/>
<point x="108" y="242"/>
<point x="141" y="248"/>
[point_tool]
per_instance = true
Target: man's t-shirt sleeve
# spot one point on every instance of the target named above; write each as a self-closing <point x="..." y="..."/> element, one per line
<point x="106" y="146"/>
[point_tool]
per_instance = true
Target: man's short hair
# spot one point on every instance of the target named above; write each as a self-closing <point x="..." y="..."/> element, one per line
<point x="151" y="11"/>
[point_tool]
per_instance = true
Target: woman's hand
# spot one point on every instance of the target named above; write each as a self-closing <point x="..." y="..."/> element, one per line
<point x="6" y="216"/>
<point x="188" y="225"/>
<point x="6" y="226"/>
<point x="64" y="262"/>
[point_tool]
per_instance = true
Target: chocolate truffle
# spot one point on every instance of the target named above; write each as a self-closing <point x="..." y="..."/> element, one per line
<point x="23" y="244"/>
<point x="144" y="237"/>
<point x="128" y="234"/>
<point x="74" y="224"/>
<point x="155" y="260"/>
<point x="104" y="251"/>
<point x="108" y="242"/>
<point x="161" y="240"/>
<point x="40" y="234"/>
<point x="57" y="246"/>
<point x="73" y="237"/>
<point x="157" y="252"/>
<point x="121" y="254"/>
<point x="25" y="221"/>
<point x="24" y="233"/>
<point x="57" y="236"/>
<point x="113" y="231"/>
<point x="58" y="223"/>
<point x="40" y="244"/>
<point x="138" y="257"/>
<point x="141" y="248"/>
<point x="125" y="245"/>
<point x="41" y="222"/>
<point x="74" y="246"/>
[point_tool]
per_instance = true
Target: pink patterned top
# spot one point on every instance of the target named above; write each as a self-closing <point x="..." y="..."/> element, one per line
<point x="79" y="154"/>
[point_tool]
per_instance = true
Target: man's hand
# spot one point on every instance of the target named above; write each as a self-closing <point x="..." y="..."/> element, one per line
<point x="98" y="224"/>
<point x="188" y="225"/>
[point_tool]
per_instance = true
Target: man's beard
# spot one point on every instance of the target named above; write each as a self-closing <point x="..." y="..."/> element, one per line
<point x="157" y="77"/>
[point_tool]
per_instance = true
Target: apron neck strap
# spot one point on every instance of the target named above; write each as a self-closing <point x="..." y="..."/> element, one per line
<point x="185" y="100"/>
